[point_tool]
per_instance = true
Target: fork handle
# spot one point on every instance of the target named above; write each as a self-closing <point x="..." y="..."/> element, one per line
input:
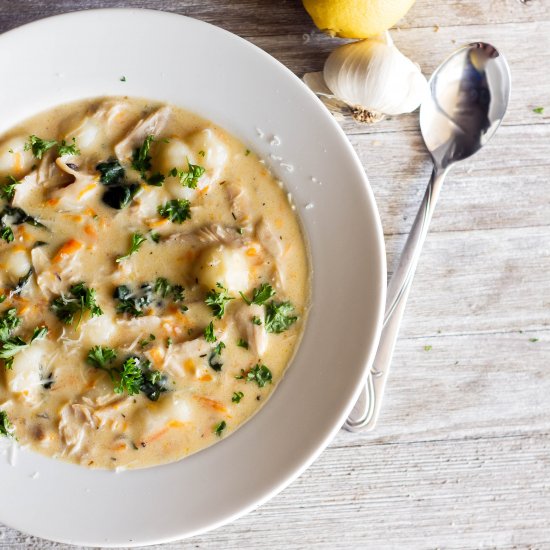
<point x="365" y="413"/>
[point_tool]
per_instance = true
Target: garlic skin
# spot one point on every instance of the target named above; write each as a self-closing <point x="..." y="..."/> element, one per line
<point x="373" y="78"/>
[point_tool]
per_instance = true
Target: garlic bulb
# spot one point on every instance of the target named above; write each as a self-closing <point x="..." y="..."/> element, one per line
<point x="372" y="77"/>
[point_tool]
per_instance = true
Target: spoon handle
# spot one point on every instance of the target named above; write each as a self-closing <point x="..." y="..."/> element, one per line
<point x="365" y="413"/>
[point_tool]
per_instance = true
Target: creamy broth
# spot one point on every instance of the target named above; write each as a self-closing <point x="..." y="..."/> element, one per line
<point x="155" y="283"/>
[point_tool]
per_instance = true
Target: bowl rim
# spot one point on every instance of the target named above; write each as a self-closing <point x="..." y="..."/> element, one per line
<point x="378" y="270"/>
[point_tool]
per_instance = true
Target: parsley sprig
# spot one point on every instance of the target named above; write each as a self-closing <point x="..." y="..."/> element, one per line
<point x="6" y="427"/>
<point x="7" y="191"/>
<point x="258" y="373"/>
<point x="176" y="210"/>
<point x="78" y="301"/>
<point x="218" y="300"/>
<point x="137" y="240"/>
<point x="278" y="316"/>
<point x="260" y="295"/>
<point x="190" y="177"/>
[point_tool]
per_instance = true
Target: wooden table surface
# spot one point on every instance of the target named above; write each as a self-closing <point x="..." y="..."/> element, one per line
<point x="461" y="455"/>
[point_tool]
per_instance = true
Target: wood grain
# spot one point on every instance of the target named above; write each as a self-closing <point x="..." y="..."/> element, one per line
<point x="460" y="455"/>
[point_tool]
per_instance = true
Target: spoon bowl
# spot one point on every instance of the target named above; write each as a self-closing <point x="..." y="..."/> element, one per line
<point x="469" y="94"/>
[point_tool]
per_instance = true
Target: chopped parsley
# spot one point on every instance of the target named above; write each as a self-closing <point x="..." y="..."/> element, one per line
<point x="17" y="216"/>
<point x="261" y="294"/>
<point x="146" y="341"/>
<point x="278" y="316"/>
<point x="38" y="333"/>
<point x="123" y="79"/>
<point x="533" y="340"/>
<point x="427" y="348"/>
<point x="218" y="300"/>
<point x="214" y="360"/>
<point x="256" y="320"/>
<point x="155" y="237"/>
<point x="101" y="356"/>
<point x="538" y="110"/>
<point x="111" y="172"/>
<point x="119" y="193"/>
<point x="247" y="152"/>
<point x="190" y="177"/>
<point x="258" y="373"/>
<point x="6" y="233"/>
<point x="176" y="210"/>
<point x="22" y="281"/>
<point x="141" y="160"/>
<point x="120" y="196"/>
<point x="79" y="300"/>
<point x="6" y="427"/>
<point x="209" y="335"/>
<point x="137" y="240"/>
<point x="8" y="322"/>
<point x="11" y="347"/>
<point x="7" y="191"/>
<point x="242" y="343"/>
<point x="131" y="377"/>
<point x="68" y="149"/>
<point x="165" y="288"/>
<point x="39" y="146"/>
<point x="237" y="396"/>
<point x="219" y="428"/>
<point x="133" y="303"/>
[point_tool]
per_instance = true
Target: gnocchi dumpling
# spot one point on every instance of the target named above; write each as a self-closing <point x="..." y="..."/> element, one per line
<point x="212" y="152"/>
<point x="16" y="262"/>
<point x="172" y="411"/>
<point x="14" y="160"/>
<point x="225" y="265"/>
<point x="24" y="378"/>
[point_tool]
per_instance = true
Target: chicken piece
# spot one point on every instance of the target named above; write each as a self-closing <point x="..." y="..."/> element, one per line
<point x="185" y="359"/>
<point x="240" y="203"/>
<point x="75" y="196"/>
<point x="52" y="276"/>
<point x="273" y="246"/>
<point x="254" y="334"/>
<point x="152" y="125"/>
<point x="15" y="262"/>
<point x="76" y="422"/>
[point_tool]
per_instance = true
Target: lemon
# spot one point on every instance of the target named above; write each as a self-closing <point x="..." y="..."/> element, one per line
<point x="356" y="18"/>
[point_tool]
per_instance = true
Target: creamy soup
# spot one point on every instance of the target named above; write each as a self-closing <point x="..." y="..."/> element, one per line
<point x="154" y="283"/>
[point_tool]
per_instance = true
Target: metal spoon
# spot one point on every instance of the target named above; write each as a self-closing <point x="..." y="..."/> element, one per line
<point x="468" y="99"/>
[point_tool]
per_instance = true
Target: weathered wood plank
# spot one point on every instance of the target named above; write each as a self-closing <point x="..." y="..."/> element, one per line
<point x="479" y="281"/>
<point x="504" y="186"/>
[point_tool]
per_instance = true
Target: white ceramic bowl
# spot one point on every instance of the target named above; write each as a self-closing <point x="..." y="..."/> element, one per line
<point x="224" y="78"/>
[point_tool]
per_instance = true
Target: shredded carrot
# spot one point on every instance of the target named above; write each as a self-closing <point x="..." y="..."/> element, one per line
<point x="157" y="223"/>
<point x="19" y="248"/>
<point x="158" y="435"/>
<point x="189" y="366"/>
<point x="86" y="190"/>
<point x="24" y="234"/>
<point x="70" y="247"/>
<point x="157" y="356"/>
<point x="77" y="218"/>
<point x="89" y="212"/>
<point x="52" y="202"/>
<point x="216" y="405"/>
<point x="204" y="190"/>
<point x="90" y="230"/>
<point x="17" y="165"/>
<point x="120" y="447"/>
<point x="278" y="223"/>
<point x="205" y="378"/>
<point x="176" y="424"/>
<point x="251" y="251"/>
